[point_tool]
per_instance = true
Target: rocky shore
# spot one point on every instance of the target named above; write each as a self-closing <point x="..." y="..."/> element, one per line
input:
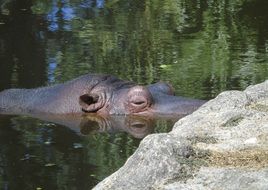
<point x="222" y="145"/>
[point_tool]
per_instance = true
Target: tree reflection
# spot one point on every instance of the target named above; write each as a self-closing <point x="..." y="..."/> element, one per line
<point x="22" y="56"/>
<point x="54" y="157"/>
<point x="201" y="47"/>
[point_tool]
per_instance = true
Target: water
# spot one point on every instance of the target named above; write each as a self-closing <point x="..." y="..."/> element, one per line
<point x="201" y="47"/>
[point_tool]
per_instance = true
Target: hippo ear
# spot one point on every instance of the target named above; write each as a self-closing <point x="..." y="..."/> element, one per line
<point x="91" y="102"/>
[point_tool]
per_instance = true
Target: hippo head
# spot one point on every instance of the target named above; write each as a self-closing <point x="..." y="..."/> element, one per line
<point x="124" y="98"/>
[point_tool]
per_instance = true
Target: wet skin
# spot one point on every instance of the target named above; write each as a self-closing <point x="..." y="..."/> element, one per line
<point x="100" y="94"/>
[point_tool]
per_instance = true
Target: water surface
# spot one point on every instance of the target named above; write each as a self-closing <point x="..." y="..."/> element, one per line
<point x="201" y="47"/>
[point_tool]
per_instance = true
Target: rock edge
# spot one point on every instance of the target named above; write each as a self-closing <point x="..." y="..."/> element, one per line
<point x="222" y="145"/>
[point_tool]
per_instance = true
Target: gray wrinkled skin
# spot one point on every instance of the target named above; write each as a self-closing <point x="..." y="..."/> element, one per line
<point x="102" y="94"/>
<point x="58" y="99"/>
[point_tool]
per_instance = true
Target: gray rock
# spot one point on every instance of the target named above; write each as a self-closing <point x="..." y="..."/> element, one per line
<point x="223" y="179"/>
<point x="161" y="151"/>
<point x="223" y="145"/>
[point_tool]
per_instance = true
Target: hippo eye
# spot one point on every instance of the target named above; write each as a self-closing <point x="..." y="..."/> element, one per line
<point x="138" y="101"/>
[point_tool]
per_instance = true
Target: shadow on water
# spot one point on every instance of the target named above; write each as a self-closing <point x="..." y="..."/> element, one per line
<point x="200" y="47"/>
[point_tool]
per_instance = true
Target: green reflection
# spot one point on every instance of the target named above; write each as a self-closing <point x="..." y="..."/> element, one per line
<point x="202" y="47"/>
<point x="35" y="154"/>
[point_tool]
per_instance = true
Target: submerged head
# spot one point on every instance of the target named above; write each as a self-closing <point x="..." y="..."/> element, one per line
<point x="117" y="98"/>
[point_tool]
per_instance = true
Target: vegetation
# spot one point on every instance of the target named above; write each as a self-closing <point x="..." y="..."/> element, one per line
<point x="202" y="47"/>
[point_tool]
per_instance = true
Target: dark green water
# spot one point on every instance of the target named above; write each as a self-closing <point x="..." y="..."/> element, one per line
<point x="202" y="47"/>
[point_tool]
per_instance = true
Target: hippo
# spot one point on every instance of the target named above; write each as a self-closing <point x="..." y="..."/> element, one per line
<point x="100" y="94"/>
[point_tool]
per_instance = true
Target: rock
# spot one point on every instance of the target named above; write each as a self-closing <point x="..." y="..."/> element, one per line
<point x="223" y="178"/>
<point x="222" y="145"/>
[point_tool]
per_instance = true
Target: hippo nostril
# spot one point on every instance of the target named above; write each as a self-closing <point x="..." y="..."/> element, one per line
<point x="89" y="99"/>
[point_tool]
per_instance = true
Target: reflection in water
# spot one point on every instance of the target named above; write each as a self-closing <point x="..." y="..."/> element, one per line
<point x="62" y="13"/>
<point x="60" y="10"/>
<point x="85" y="124"/>
<point x="137" y="127"/>
<point x="55" y="157"/>
<point x="201" y="47"/>
<point x="33" y="155"/>
<point x="22" y="54"/>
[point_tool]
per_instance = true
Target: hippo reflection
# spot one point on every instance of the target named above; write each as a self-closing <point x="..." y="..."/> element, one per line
<point x="136" y="126"/>
<point x="100" y="94"/>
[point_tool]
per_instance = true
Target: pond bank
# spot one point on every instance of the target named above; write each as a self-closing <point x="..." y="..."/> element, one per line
<point x="223" y="145"/>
